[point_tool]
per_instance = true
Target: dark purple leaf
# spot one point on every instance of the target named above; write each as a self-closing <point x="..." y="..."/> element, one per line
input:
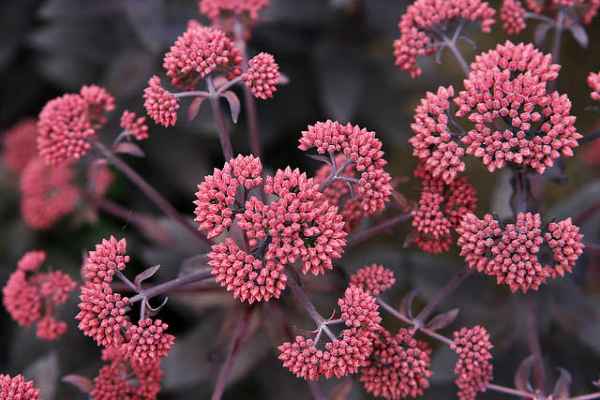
<point x="234" y="105"/>
<point x="194" y="107"/>
<point x="407" y="304"/>
<point x="130" y="149"/>
<point x="524" y="373"/>
<point x="80" y="382"/>
<point x="580" y="35"/>
<point x="541" y="31"/>
<point x="443" y="320"/>
<point x="562" y="389"/>
<point x="146" y="274"/>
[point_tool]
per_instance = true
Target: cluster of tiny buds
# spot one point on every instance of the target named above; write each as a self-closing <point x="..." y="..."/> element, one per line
<point x="513" y="253"/>
<point x="17" y="388"/>
<point x="424" y="17"/>
<point x="474" y="368"/>
<point x="516" y="120"/>
<point x="31" y="296"/>
<point x="134" y="125"/>
<point x="216" y="9"/>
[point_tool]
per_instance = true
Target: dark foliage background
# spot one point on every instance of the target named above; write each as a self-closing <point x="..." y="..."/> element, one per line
<point x="338" y="56"/>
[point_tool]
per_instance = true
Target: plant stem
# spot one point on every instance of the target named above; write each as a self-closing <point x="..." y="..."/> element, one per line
<point x="590" y="396"/>
<point x="173" y="284"/>
<point x="302" y="298"/>
<point x="224" y="136"/>
<point x="558" y="32"/>
<point x="451" y="44"/>
<point x="249" y="102"/>
<point x="447" y="290"/>
<point x="236" y="342"/>
<point x="533" y="341"/>
<point x="375" y="230"/>
<point x="514" y="392"/>
<point x="152" y="194"/>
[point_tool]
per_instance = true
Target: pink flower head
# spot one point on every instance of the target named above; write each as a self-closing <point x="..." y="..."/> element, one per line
<point x="31" y="261"/>
<point x="99" y="102"/>
<point x="50" y="329"/>
<point x="262" y="76"/>
<point x="102" y="314"/>
<point x="105" y="260"/>
<point x="440" y="210"/>
<point x="250" y="279"/>
<point x="359" y="309"/>
<point x="433" y="142"/>
<point x="19" y="145"/>
<point x="216" y="195"/>
<point x="584" y="10"/>
<point x="197" y="53"/>
<point x="423" y="17"/>
<point x="215" y="9"/>
<point x="29" y="294"/>
<point x="360" y="149"/>
<point x="515" y="256"/>
<point x="399" y="366"/>
<point x="148" y="342"/>
<point x="473" y="368"/>
<point x="47" y="194"/>
<point x="476" y="239"/>
<point x="17" y="388"/>
<point x="135" y="125"/>
<point x="565" y="241"/>
<point x="64" y="129"/>
<point x="512" y="15"/>
<point x="507" y="85"/>
<point x="301" y="358"/>
<point x="373" y="279"/>
<point x="160" y="104"/>
<point x="120" y="379"/>
<point x="594" y="84"/>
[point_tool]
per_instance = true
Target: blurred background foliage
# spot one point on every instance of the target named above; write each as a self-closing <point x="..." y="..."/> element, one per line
<point x="338" y="56"/>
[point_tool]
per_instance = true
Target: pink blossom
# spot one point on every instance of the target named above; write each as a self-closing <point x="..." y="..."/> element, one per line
<point x="215" y="9"/>
<point x="19" y="145"/>
<point x="135" y="125"/>
<point x="50" y="329"/>
<point x="425" y="16"/>
<point x="512" y="15"/>
<point x="197" y="53"/>
<point x="148" y="342"/>
<point x="21" y="299"/>
<point x="17" y="388"/>
<point x="476" y="239"/>
<point x="99" y="102"/>
<point x="160" y="104"/>
<point x="373" y="279"/>
<point x="250" y="279"/>
<point x="399" y="367"/>
<point x="473" y="368"/>
<point x="262" y="76"/>
<point x="105" y="260"/>
<point x="359" y="309"/>
<point x="566" y="243"/>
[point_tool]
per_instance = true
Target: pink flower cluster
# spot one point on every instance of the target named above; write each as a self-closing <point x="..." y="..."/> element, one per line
<point x="103" y="317"/>
<point x="516" y="120"/>
<point x="136" y="126"/>
<point x="399" y="366"/>
<point x="310" y="360"/>
<point x="19" y="145"/>
<point x="67" y="123"/>
<point x="513" y="13"/>
<point x="123" y="378"/>
<point x="512" y="253"/>
<point x="160" y="104"/>
<point x="473" y="368"/>
<point x="373" y="279"/>
<point x="197" y="53"/>
<point x="47" y="194"/>
<point x="262" y="76"/>
<point x="440" y="209"/>
<point x="216" y="9"/>
<point x="424" y="17"/>
<point x="593" y="81"/>
<point x="17" y="388"/>
<point x="358" y="154"/>
<point x="297" y="225"/>
<point x="32" y="297"/>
